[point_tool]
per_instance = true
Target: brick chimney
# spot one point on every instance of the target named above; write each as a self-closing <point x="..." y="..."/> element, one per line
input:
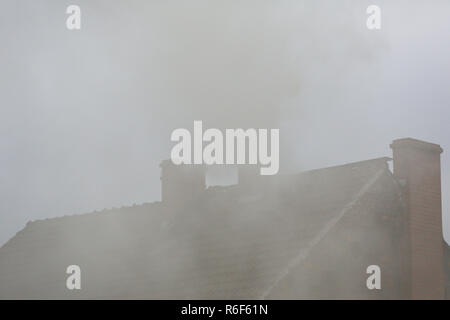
<point x="417" y="167"/>
<point x="181" y="183"/>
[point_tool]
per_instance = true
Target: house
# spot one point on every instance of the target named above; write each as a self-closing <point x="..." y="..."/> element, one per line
<point x="307" y="235"/>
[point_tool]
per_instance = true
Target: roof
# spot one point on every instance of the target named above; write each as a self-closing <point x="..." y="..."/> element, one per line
<point x="233" y="243"/>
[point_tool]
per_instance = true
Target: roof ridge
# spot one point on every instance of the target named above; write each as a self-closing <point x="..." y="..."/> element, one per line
<point x="380" y="160"/>
<point x="97" y="211"/>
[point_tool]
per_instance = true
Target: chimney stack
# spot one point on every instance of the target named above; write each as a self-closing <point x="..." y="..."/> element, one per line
<point x="417" y="167"/>
<point x="182" y="183"/>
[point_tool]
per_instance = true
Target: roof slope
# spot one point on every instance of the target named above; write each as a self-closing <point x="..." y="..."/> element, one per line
<point x="234" y="243"/>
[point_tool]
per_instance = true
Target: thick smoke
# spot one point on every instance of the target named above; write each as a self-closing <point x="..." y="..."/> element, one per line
<point x="86" y="116"/>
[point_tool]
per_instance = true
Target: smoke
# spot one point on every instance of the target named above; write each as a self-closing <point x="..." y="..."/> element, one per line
<point x="86" y="115"/>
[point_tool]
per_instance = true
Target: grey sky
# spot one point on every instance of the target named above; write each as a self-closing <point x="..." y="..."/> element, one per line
<point x="86" y="116"/>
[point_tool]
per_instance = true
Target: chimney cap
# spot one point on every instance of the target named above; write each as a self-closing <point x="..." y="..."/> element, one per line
<point x="167" y="163"/>
<point x="416" y="144"/>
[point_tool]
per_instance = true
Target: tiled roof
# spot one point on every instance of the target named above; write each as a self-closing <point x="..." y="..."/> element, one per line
<point x="234" y="242"/>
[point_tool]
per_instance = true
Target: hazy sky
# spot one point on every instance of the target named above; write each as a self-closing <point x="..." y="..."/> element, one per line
<point x="86" y="116"/>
